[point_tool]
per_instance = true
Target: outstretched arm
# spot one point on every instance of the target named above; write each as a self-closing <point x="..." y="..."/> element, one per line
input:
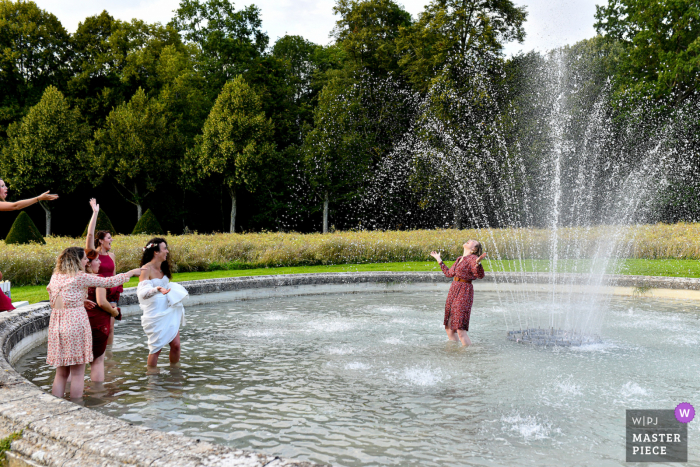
<point x="448" y="272"/>
<point x="17" y="205"/>
<point x="90" y="240"/>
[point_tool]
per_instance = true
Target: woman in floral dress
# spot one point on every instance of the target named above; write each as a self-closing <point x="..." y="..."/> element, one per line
<point x="70" y="336"/>
<point x="458" y="307"/>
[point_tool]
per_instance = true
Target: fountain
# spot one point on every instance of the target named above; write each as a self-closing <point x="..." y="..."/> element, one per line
<point x="557" y="157"/>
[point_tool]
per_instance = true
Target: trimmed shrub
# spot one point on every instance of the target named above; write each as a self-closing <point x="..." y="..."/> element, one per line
<point x="148" y="224"/>
<point x="24" y="231"/>
<point x="103" y="223"/>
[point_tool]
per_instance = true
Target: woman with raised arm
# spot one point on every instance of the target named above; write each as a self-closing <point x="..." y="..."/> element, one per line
<point x="23" y="203"/>
<point x="99" y="312"/>
<point x="458" y="307"/>
<point x="161" y="302"/>
<point x="108" y="261"/>
<point x="70" y="336"/>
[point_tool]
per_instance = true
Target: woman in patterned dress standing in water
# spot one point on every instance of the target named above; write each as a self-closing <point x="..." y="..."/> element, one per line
<point x="108" y="261"/>
<point x="70" y="336"/>
<point x="458" y="307"/>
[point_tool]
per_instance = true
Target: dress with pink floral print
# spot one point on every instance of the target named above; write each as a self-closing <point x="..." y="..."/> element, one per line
<point x="70" y="336"/>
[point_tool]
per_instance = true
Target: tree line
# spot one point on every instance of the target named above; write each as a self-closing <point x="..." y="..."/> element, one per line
<point x="215" y="128"/>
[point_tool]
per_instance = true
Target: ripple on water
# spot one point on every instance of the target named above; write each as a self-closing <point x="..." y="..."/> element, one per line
<point x="528" y="427"/>
<point x="373" y="382"/>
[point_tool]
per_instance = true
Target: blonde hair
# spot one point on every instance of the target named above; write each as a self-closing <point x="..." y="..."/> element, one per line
<point x="68" y="262"/>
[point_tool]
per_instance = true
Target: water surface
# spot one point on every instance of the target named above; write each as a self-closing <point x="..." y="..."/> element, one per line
<point x="371" y="380"/>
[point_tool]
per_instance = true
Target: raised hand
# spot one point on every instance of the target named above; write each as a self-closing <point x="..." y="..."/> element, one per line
<point x="46" y="197"/>
<point x="436" y="255"/>
<point x="478" y="260"/>
<point x="94" y="205"/>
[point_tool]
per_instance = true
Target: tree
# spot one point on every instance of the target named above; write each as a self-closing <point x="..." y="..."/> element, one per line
<point x="33" y="55"/>
<point x="148" y="224"/>
<point x="135" y="148"/>
<point x="235" y="145"/>
<point x="24" y="231"/>
<point x="451" y="30"/>
<point x="228" y="40"/>
<point x="47" y="149"/>
<point x="661" y="39"/>
<point x="112" y="59"/>
<point x="367" y="30"/>
<point x="337" y="151"/>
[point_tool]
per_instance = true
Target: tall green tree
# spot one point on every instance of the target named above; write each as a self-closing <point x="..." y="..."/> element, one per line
<point x="47" y="149"/>
<point x="135" y="148"/>
<point x="661" y="39"/>
<point x="367" y="30"/>
<point x="235" y="146"/>
<point x="112" y="59"/>
<point x="448" y="31"/>
<point x="34" y="50"/>
<point x="337" y="151"/>
<point x="228" y="40"/>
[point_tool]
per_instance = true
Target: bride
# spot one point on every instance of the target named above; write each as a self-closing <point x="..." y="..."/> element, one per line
<point x="161" y="302"/>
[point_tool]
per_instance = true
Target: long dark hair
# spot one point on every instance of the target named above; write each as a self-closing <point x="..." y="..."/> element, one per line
<point x="99" y="236"/>
<point x="150" y="249"/>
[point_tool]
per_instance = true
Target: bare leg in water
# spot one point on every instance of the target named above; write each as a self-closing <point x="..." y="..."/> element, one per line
<point x="466" y="342"/>
<point x="77" y="374"/>
<point x="174" y="353"/>
<point x="451" y="335"/>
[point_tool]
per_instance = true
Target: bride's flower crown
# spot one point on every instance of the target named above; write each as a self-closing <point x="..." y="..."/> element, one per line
<point x="150" y="245"/>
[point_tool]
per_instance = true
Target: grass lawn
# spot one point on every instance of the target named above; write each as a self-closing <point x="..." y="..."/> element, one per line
<point x="641" y="267"/>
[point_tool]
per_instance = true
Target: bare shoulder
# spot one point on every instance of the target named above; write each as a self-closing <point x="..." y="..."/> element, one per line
<point x="145" y="274"/>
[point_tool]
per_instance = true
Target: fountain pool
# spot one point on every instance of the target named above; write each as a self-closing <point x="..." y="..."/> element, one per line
<point x="371" y="380"/>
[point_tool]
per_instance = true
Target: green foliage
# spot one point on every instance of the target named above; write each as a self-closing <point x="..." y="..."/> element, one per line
<point x="367" y="31"/>
<point x="148" y="224"/>
<point x="338" y="150"/>
<point x="34" y="50"/>
<point x="448" y="31"/>
<point x="235" y="146"/>
<point x="228" y="40"/>
<point x="103" y="223"/>
<point x="112" y="59"/>
<point x="6" y="444"/>
<point x="235" y="142"/>
<point x="136" y="147"/>
<point x="47" y="149"/>
<point x="661" y="40"/>
<point x="24" y="231"/>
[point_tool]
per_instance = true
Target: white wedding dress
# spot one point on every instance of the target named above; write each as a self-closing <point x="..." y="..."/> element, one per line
<point x="162" y="314"/>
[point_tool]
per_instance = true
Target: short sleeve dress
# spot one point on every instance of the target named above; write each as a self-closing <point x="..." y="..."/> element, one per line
<point x="70" y="336"/>
<point x="458" y="308"/>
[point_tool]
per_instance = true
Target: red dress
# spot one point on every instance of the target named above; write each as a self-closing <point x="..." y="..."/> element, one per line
<point x="458" y="308"/>
<point x="5" y="302"/>
<point x="100" y="320"/>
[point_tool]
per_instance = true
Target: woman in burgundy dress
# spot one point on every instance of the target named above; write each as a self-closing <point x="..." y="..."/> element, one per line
<point x="458" y="308"/>
<point x="100" y="317"/>
<point x="103" y="239"/>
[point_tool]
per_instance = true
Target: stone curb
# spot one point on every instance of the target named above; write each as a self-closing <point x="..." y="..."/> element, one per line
<point x="59" y="433"/>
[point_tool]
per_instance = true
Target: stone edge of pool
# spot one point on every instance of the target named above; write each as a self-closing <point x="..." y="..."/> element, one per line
<point x="58" y="432"/>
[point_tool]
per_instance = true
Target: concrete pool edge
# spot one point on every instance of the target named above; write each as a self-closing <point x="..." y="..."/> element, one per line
<point x="58" y="432"/>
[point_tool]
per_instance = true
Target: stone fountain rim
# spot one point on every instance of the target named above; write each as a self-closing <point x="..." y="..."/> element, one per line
<point x="58" y="432"/>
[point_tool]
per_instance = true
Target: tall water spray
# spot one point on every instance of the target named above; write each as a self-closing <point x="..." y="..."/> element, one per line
<point x="555" y="160"/>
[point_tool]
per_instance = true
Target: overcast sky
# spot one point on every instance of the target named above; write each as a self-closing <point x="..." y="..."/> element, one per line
<point x="550" y="23"/>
